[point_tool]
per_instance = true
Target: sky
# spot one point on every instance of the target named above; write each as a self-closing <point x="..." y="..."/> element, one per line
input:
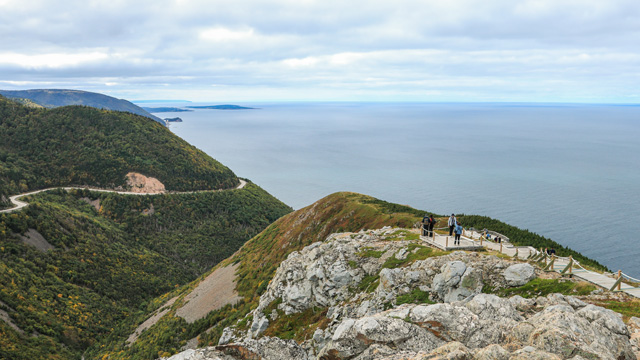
<point x="585" y="51"/>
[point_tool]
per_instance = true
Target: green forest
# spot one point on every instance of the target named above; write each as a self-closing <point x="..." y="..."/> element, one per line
<point x="79" y="145"/>
<point x="110" y="260"/>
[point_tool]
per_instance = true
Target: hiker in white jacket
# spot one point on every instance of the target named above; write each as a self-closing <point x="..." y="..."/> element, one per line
<point x="452" y="223"/>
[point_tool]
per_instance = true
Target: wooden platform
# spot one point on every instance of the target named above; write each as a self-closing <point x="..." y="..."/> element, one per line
<point x="473" y="241"/>
<point x="446" y="243"/>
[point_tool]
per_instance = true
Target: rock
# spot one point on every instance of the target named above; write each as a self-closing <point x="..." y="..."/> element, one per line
<point x="139" y="183"/>
<point x="589" y="332"/>
<point x="531" y="353"/>
<point x="492" y="307"/>
<point x="575" y="302"/>
<point x="491" y="352"/>
<point x="401" y="254"/>
<point x="451" y="351"/>
<point x="376" y="352"/>
<point x="353" y="337"/>
<point x="227" y="335"/>
<point x="457" y="282"/>
<point x="390" y="278"/>
<point x="522" y="304"/>
<point x="259" y="325"/>
<point x="634" y="330"/>
<point x="521" y="333"/>
<point x="604" y="317"/>
<point x="200" y="354"/>
<point x="519" y="274"/>
<point x="447" y="322"/>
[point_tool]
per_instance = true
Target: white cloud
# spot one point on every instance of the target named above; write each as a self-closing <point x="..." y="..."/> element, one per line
<point x="51" y="60"/>
<point x="221" y="34"/>
<point x="304" y="62"/>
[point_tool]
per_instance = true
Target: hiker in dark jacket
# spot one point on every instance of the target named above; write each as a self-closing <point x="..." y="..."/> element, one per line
<point x="432" y="223"/>
<point x="425" y="224"/>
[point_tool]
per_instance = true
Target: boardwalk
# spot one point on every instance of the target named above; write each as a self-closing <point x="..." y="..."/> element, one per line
<point x="472" y="240"/>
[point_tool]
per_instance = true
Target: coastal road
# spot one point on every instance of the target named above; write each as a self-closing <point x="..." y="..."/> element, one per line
<point x="15" y="199"/>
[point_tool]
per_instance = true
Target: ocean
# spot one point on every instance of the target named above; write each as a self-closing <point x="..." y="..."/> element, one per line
<point x="570" y="172"/>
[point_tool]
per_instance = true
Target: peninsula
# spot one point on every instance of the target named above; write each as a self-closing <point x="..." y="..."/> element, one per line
<point x="164" y="109"/>
<point x="221" y="107"/>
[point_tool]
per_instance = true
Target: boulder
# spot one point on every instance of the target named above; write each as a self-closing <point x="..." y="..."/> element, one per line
<point x="592" y="332"/>
<point x="519" y="274"/>
<point x="457" y="282"/>
<point x="352" y="337"/>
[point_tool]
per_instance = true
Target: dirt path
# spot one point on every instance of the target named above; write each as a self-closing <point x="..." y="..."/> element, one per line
<point x="15" y="199"/>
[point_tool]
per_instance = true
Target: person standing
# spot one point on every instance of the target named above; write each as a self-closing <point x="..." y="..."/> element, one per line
<point x="432" y="223"/>
<point x="425" y="225"/>
<point x="452" y="223"/>
<point x="458" y="231"/>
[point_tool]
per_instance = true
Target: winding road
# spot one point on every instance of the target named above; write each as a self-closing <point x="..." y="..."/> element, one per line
<point x="15" y="199"/>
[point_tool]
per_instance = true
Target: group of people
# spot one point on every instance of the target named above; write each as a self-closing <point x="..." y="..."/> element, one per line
<point x="428" y="222"/>
<point x="455" y="228"/>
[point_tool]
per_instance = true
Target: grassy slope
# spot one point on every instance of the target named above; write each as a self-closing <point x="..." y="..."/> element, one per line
<point x="75" y="145"/>
<point x="108" y="264"/>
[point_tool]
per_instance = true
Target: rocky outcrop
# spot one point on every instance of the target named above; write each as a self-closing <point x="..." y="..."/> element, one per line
<point x="360" y="280"/>
<point x="325" y="274"/>
<point x="34" y="238"/>
<point x="139" y="183"/>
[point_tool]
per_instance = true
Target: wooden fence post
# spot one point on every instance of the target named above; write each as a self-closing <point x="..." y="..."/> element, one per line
<point x="618" y="283"/>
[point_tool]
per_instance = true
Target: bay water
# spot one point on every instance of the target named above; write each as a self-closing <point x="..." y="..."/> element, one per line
<point x="570" y="172"/>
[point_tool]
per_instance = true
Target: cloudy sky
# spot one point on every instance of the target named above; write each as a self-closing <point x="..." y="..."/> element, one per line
<point x="284" y="50"/>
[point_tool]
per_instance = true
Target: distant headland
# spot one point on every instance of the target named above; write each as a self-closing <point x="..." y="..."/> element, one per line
<point x="164" y="109"/>
<point x="221" y="107"/>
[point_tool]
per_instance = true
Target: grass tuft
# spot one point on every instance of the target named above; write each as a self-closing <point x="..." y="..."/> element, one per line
<point x="544" y="287"/>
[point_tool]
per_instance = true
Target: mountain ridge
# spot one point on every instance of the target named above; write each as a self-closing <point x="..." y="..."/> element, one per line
<point x="51" y="98"/>
<point x="79" y="145"/>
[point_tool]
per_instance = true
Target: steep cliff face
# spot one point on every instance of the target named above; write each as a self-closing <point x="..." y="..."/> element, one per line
<point x="384" y="295"/>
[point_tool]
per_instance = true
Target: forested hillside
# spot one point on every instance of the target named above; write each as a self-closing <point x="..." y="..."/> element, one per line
<point x="51" y="98"/>
<point x="77" y="145"/>
<point x="109" y="256"/>
<point x="74" y="265"/>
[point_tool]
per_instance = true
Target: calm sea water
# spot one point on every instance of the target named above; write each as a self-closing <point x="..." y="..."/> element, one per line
<point x="568" y="172"/>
